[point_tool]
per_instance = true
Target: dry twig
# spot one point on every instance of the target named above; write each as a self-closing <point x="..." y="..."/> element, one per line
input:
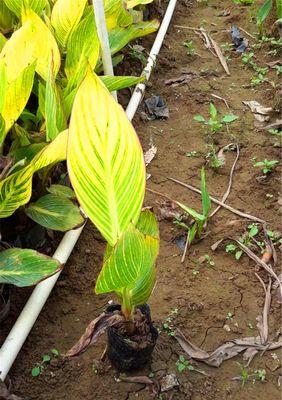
<point x="214" y="200"/>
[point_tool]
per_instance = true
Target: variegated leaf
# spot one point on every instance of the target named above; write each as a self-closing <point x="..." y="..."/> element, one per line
<point x="105" y="160"/>
<point x="65" y="16"/>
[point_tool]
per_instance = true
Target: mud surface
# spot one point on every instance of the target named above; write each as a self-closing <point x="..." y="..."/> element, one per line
<point x="207" y="296"/>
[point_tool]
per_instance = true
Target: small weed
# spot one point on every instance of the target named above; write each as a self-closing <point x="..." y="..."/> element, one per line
<point x="246" y="375"/>
<point x="183" y="364"/>
<point x="46" y="358"/>
<point x="266" y="166"/>
<point x="245" y="239"/>
<point x="191" y="51"/>
<point x="229" y="316"/>
<point x="209" y="261"/>
<point x="214" y="124"/>
<point x="137" y="53"/>
<point x="212" y="158"/>
<point x="168" y="323"/>
<point x="195" y="272"/>
<point x="192" y="153"/>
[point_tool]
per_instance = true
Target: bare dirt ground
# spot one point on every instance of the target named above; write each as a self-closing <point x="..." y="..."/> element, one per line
<point x="207" y="296"/>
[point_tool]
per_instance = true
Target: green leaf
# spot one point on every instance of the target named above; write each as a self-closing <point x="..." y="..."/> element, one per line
<point x="120" y="82"/>
<point x="229" y="118"/>
<point x="24" y="267"/>
<point x="61" y="190"/>
<point x="130" y="263"/>
<point x="119" y="37"/>
<point x="105" y="160"/>
<point x="46" y="358"/>
<point x="54" y="112"/>
<point x="213" y="111"/>
<point x="264" y="12"/>
<point x="27" y="152"/>
<point x="199" y="118"/>
<point x="253" y="230"/>
<point x="206" y="201"/>
<point x="55" y="352"/>
<point x="7" y="19"/>
<point x="192" y="232"/>
<point x="17" y="5"/>
<point x="238" y="254"/>
<point x="55" y="212"/>
<point x="36" y="371"/>
<point x="193" y="213"/>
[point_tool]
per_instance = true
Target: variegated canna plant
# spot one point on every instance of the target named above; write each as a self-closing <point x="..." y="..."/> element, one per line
<point x="107" y="172"/>
<point x="46" y="49"/>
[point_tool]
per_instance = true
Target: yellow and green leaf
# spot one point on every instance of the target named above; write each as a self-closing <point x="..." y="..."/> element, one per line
<point x="105" y="160"/>
<point x="7" y="18"/>
<point x="120" y="37"/>
<point x="44" y="44"/>
<point x="54" y="113"/>
<point x="17" y="5"/>
<point x="25" y="267"/>
<point x="83" y="49"/>
<point x="65" y="16"/>
<point x="55" y="212"/>
<point x="129" y="266"/>
<point x="14" y="96"/>
<point x="15" y="190"/>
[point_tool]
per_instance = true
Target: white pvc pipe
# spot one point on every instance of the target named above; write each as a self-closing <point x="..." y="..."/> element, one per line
<point x="140" y="88"/>
<point x="102" y="31"/>
<point x="40" y="294"/>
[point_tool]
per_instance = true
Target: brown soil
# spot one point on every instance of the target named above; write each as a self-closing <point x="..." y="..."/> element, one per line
<point x="204" y="299"/>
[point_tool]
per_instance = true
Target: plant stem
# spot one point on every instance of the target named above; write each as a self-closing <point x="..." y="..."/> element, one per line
<point x="126" y="307"/>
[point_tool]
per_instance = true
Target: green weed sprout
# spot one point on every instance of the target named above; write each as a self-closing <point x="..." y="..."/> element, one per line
<point x="266" y="166"/>
<point x="215" y="124"/>
<point x="199" y="219"/>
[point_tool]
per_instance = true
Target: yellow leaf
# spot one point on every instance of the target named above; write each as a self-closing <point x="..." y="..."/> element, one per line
<point x="105" y="160"/>
<point x="45" y="44"/>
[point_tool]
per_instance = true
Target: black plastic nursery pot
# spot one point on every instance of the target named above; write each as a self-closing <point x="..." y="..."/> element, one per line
<point x="121" y="353"/>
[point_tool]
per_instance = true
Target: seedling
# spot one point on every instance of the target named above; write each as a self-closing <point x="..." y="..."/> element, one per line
<point x="190" y="47"/>
<point x="137" y="53"/>
<point x="214" y="124"/>
<point x="199" y="219"/>
<point x="214" y="161"/>
<point x="259" y="77"/>
<point x="192" y="153"/>
<point x="245" y="376"/>
<point x="168" y="324"/>
<point x="229" y="316"/>
<point x="245" y="239"/>
<point x="182" y="364"/>
<point x="209" y="261"/>
<point x="266" y="166"/>
<point x="46" y="358"/>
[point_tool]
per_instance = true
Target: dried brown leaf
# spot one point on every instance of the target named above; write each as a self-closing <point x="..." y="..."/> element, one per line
<point x="150" y="154"/>
<point x="93" y="331"/>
